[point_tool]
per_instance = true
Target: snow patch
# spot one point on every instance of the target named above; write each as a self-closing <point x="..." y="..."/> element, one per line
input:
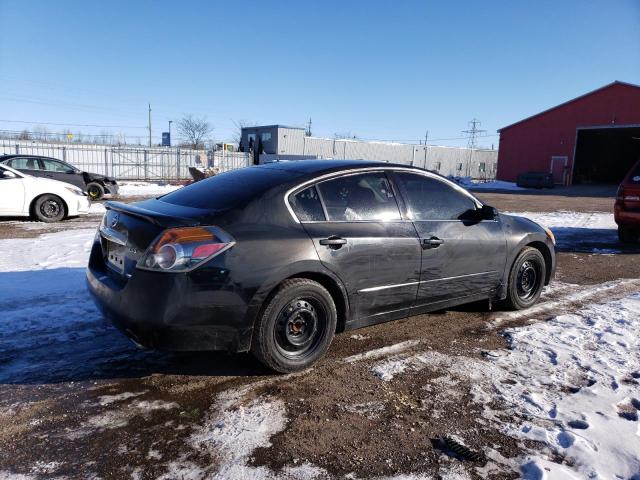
<point x="571" y="383"/>
<point x="144" y="189"/>
<point x="382" y="352"/>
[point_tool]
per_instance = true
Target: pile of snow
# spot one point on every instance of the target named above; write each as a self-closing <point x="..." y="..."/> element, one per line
<point x="144" y="189"/>
<point x="572" y="383"/>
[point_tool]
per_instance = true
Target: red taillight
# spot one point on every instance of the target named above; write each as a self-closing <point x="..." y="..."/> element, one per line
<point x="183" y="249"/>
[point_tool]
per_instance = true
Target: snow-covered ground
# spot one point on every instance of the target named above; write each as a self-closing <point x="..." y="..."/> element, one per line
<point x="144" y="189"/>
<point x="593" y="232"/>
<point x="571" y="383"/>
<point x="475" y="185"/>
<point x="45" y="308"/>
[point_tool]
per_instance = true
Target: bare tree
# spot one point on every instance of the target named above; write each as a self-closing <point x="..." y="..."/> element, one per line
<point x="194" y="130"/>
<point x="24" y="135"/>
<point x="240" y="124"/>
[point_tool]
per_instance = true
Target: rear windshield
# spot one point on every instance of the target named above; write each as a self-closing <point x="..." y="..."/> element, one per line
<point x="228" y="189"/>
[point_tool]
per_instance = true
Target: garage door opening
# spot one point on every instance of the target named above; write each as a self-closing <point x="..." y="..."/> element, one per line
<point x="605" y="155"/>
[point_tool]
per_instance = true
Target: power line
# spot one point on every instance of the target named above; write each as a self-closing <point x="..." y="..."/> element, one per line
<point x="473" y="133"/>
<point x="69" y="124"/>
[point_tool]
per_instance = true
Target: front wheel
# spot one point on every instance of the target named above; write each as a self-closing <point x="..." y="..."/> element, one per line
<point x="49" y="208"/>
<point x="95" y="191"/>
<point x="296" y="326"/>
<point x="526" y="279"/>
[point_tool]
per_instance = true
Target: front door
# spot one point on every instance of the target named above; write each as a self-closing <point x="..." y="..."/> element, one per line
<point x="12" y="194"/>
<point x="62" y="172"/>
<point x="559" y="169"/>
<point x="360" y="236"/>
<point x="462" y="256"/>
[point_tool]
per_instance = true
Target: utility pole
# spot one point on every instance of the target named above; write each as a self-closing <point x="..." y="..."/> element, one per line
<point x="149" y="124"/>
<point x="473" y="133"/>
<point x="426" y="137"/>
<point x="308" y="130"/>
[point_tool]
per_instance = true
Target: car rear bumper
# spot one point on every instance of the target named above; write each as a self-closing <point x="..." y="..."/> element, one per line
<point x="166" y="311"/>
<point x="625" y="217"/>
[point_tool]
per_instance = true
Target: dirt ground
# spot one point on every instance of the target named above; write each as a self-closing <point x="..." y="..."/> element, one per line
<point x="339" y="417"/>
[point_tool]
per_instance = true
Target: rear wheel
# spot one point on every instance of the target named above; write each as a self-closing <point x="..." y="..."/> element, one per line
<point x="95" y="191"/>
<point x="526" y="279"/>
<point x="628" y="234"/>
<point x="296" y="326"/>
<point x="49" y="208"/>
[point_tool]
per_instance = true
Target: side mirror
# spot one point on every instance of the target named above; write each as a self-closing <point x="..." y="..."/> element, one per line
<point x="7" y="174"/>
<point x="488" y="213"/>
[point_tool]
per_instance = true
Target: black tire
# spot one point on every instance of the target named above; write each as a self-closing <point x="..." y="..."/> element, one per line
<point x="296" y="326"/>
<point x="628" y="234"/>
<point x="49" y="208"/>
<point x="526" y="279"/>
<point x="95" y="191"/>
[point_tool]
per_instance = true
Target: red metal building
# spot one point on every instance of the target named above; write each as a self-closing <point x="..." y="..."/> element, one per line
<point x="594" y="138"/>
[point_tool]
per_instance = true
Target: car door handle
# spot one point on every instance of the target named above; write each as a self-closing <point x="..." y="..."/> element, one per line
<point x="433" y="242"/>
<point x="333" y="242"/>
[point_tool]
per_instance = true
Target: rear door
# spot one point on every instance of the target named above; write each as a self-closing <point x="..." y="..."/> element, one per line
<point x="462" y="256"/>
<point x="355" y="223"/>
<point x="28" y="165"/>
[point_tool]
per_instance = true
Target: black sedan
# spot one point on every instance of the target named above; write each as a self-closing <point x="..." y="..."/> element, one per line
<point x="275" y="259"/>
<point x="94" y="184"/>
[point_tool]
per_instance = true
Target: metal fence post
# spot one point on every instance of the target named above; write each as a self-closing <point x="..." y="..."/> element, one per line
<point x="146" y="175"/>
<point x="17" y="149"/>
<point x="64" y="154"/>
<point x="106" y="163"/>
<point x="177" y="165"/>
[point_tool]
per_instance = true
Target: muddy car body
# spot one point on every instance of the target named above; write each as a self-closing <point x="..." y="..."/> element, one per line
<point x="300" y="250"/>
<point x="627" y="206"/>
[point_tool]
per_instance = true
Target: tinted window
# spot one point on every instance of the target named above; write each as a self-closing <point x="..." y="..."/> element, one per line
<point x="228" y="189"/>
<point x="306" y="205"/>
<point x="24" y="163"/>
<point x="367" y="196"/>
<point x="53" y="166"/>
<point x="431" y="199"/>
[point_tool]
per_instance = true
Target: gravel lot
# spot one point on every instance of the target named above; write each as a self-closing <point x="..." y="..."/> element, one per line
<point x="92" y="405"/>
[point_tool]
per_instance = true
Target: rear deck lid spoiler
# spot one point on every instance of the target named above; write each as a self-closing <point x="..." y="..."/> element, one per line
<point x="154" y="216"/>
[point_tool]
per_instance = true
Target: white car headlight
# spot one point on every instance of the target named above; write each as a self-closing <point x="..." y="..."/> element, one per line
<point x="75" y="190"/>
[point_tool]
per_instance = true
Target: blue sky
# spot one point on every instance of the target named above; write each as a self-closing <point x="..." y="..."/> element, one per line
<point x="378" y="69"/>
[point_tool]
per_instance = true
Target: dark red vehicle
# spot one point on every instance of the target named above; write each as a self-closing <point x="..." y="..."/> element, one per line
<point x="627" y="206"/>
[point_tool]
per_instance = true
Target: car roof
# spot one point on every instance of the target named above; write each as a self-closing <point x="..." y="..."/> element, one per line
<point x="9" y="156"/>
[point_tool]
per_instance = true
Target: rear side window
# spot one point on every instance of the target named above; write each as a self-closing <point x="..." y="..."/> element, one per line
<point x="306" y="205"/>
<point x="432" y="199"/>
<point x="24" y="163"/>
<point x="366" y="196"/>
<point x="228" y="190"/>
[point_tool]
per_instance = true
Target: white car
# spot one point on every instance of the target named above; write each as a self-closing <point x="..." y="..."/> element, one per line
<point x="23" y="195"/>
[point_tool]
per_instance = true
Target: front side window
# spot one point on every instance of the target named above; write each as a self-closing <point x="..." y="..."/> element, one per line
<point x="24" y="163"/>
<point x="53" y="166"/>
<point x="366" y="196"/>
<point x="306" y="205"/>
<point x="431" y="199"/>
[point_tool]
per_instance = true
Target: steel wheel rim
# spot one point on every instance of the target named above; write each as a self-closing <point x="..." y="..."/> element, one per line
<point x="93" y="192"/>
<point x="50" y="208"/>
<point x="528" y="280"/>
<point x="299" y="327"/>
